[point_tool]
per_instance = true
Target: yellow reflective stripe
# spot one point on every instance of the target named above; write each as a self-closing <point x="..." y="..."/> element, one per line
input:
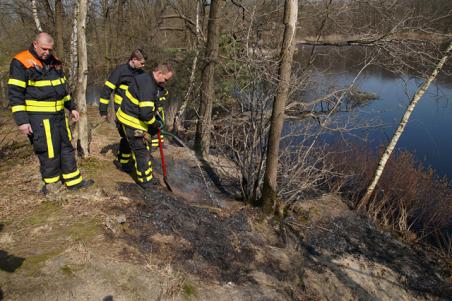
<point x="124" y="161"/>
<point x="104" y="101"/>
<point x="148" y="171"/>
<point x="163" y="98"/>
<point x="125" y="155"/>
<point x="17" y="82"/>
<point x="74" y="182"/>
<point x="51" y="180"/>
<point x="44" y="109"/>
<point x="147" y="179"/>
<point x="146" y="104"/>
<point x="124" y="87"/>
<point x="118" y="99"/>
<point x="46" y="123"/>
<point x="161" y="112"/>
<point x="38" y="103"/>
<point x="45" y="83"/>
<point x="44" y="106"/>
<point x="67" y="98"/>
<point x="18" y="108"/>
<point x="71" y="175"/>
<point x="151" y="121"/>
<point x="132" y="99"/>
<point x="69" y="134"/>
<point x="131" y="121"/>
<point x="110" y="85"/>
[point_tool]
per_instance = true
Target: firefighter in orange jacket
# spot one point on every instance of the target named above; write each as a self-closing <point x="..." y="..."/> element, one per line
<point x="38" y="96"/>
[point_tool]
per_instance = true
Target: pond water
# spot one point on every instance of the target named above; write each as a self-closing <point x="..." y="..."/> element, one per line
<point x="428" y="134"/>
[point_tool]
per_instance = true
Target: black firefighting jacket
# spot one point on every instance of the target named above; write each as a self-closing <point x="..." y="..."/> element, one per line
<point x="118" y="82"/>
<point x="37" y="87"/>
<point x="138" y="108"/>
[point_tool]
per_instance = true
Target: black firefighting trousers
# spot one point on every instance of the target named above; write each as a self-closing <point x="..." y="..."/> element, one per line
<point x="51" y="141"/>
<point x="141" y="156"/>
<point x="124" y="152"/>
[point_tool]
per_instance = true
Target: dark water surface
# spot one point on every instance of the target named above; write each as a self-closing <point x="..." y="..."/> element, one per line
<point x="429" y="131"/>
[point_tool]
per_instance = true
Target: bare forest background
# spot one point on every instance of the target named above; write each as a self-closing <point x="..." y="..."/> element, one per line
<point x="229" y="58"/>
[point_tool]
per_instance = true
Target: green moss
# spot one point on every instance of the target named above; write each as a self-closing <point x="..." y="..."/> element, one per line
<point x="189" y="289"/>
<point x="67" y="270"/>
<point x="83" y="230"/>
<point x="43" y="213"/>
<point x="33" y="263"/>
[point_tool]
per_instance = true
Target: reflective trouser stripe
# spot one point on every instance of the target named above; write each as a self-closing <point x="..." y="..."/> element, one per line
<point x="51" y="180"/>
<point x="143" y="179"/>
<point x="72" y="178"/>
<point x="123" y="158"/>
<point x="68" y="129"/>
<point x="46" y="123"/>
<point x="148" y="173"/>
<point x="71" y="175"/>
<point x="74" y="182"/>
<point x="155" y="141"/>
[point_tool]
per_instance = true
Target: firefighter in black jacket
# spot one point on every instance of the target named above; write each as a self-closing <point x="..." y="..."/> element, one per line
<point x="117" y="83"/>
<point x="138" y="112"/>
<point x="38" y="97"/>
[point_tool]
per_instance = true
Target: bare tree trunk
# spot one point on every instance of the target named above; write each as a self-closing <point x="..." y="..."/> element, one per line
<point x="82" y="76"/>
<point x="268" y="199"/>
<point x="59" y="28"/>
<point x="35" y="15"/>
<point x="74" y="56"/>
<point x="191" y="84"/>
<point x="403" y="122"/>
<point x="202" y="138"/>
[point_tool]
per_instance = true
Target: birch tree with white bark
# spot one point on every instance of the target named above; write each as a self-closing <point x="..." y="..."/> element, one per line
<point x="399" y="131"/>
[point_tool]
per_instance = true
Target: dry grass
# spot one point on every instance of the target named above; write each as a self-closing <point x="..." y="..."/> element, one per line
<point x="409" y="197"/>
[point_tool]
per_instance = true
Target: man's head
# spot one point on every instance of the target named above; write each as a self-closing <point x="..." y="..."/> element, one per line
<point x="137" y="59"/>
<point x="162" y="73"/>
<point x="43" y="45"/>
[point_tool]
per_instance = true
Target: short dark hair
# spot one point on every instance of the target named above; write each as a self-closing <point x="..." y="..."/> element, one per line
<point x="163" y="67"/>
<point x="138" y="54"/>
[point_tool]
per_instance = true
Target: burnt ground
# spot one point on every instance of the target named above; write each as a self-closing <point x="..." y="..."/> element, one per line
<point x="109" y="242"/>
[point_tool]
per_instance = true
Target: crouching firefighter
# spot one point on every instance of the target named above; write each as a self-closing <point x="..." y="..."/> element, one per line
<point x="38" y="96"/>
<point x="137" y="114"/>
<point x="117" y="83"/>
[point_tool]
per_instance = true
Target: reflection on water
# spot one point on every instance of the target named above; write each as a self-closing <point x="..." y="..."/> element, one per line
<point x="428" y="133"/>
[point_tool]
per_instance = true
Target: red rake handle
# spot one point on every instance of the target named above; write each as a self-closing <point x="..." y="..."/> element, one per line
<point x="161" y="153"/>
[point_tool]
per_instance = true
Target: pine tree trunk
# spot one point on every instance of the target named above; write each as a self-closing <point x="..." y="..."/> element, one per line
<point x="268" y="199"/>
<point x="82" y="76"/>
<point x="202" y="138"/>
<point x="403" y="122"/>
